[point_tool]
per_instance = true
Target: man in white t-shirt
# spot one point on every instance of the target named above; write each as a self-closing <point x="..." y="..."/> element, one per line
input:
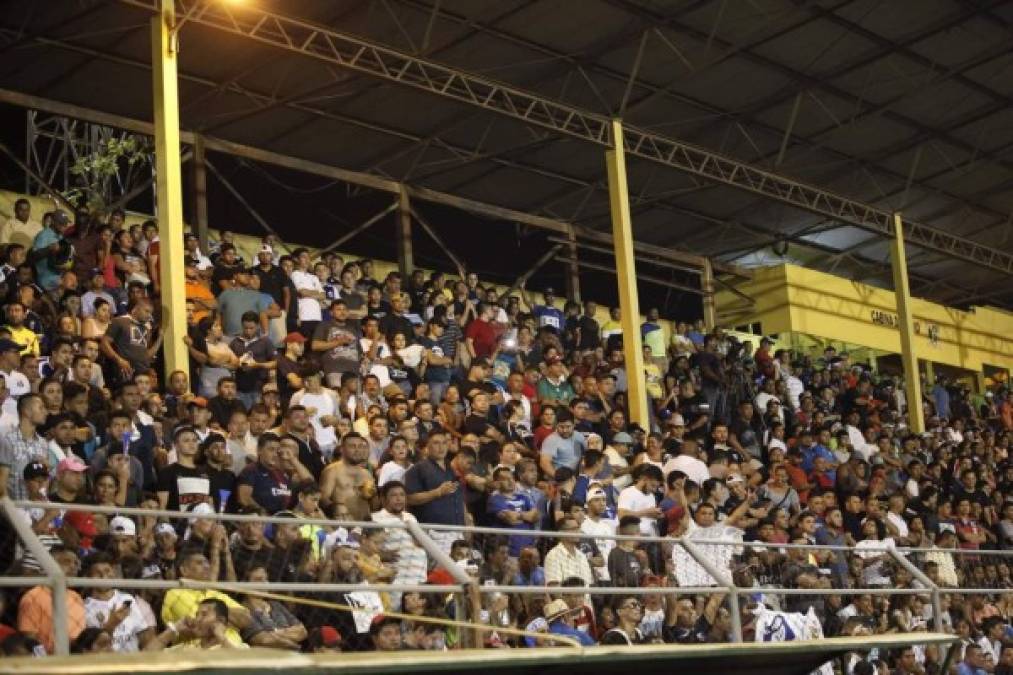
<point x="310" y="292"/>
<point x="322" y="406"/>
<point x="17" y="384"/>
<point x="118" y="613"/>
<point x="596" y="524"/>
<point x="688" y="463"/>
<point x="639" y="500"/>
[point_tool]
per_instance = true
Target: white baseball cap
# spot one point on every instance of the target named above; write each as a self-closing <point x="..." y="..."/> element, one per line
<point x="122" y="525"/>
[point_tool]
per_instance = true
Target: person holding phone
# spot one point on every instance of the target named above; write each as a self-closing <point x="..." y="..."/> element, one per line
<point x="114" y="611"/>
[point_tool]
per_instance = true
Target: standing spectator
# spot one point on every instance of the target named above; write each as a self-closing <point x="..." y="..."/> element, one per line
<point x="566" y="560"/>
<point x="338" y="340"/>
<point x="20" y="228"/>
<point x="128" y="341"/>
<point x="257" y="358"/>
<point x="481" y="336"/>
<point x="563" y="448"/>
<point x="434" y="490"/>
<point x="241" y="296"/>
<point x="310" y="292"/>
<point x="22" y="446"/>
<point x="53" y="254"/>
<point x="274" y="283"/>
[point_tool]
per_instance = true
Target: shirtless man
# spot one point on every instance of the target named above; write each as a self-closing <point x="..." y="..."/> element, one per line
<point x="348" y="481"/>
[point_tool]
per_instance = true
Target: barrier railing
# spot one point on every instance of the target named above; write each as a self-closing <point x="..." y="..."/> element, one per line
<point x="726" y="572"/>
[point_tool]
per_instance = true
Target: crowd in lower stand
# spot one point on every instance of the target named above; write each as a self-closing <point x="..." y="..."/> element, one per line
<point x="318" y="391"/>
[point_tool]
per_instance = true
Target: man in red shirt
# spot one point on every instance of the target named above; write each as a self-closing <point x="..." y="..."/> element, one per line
<point x="764" y="359"/>
<point x="481" y="335"/>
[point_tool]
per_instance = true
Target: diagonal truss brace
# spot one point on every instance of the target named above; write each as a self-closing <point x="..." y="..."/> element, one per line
<point x="356" y="53"/>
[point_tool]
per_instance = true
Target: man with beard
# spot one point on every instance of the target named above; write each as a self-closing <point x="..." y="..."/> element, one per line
<point x="348" y="481"/>
<point x="412" y="563"/>
<point x="337" y="339"/>
<point x="434" y="490"/>
<point x="264" y="485"/>
<point x="297" y="427"/>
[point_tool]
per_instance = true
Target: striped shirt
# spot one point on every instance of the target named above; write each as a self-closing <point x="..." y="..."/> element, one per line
<point x="560" y="564"/>
<point x="17" y="452"/>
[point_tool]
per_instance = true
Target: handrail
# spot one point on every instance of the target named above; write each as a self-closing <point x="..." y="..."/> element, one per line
<point x="59" y="582"/>
<point x="506" y="532"/>
<point x="54" y="575"/>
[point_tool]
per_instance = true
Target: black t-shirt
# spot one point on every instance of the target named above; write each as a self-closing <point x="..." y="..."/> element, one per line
<point x="749" y="436"/>
<point x="617" y="636"/>
<point x="130" y="338"/>
<point x="221" y="409"/>
<point x="687" y="636"/>
<point x="377" y="312"/>
<point x="353" y="299"/>
<point x="186" y="486"/>
<point x="223" y="484"/>
<point x="391" y="324"/>
<point x="690" y="409"/>
<point x="476" y="424"/>
<point x="286" y="367"/>
<point x="468" y="386"/>
<point x="280" y="563"/>
<point x="589" y="338"/>
<point x="223" y="271"/>
<point x="309" y="455"/>
<point x="272" y="282"/>
<point x="260" y="350"/>
<point x="200" y="343"/>
<point x="710" y="361"/>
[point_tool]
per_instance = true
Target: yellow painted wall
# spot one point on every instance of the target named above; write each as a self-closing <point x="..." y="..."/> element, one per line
<point x="791" y="298"/>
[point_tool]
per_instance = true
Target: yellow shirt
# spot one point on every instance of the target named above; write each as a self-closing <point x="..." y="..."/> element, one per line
<point x="27" y="337"/>
<point x="654" y="388"/>
<point x="181" y="603"/>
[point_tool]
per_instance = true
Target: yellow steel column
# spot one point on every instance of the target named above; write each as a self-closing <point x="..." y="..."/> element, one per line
<point x="626" y="274"/>
<point x="912" y="379"/>
<point x="930" y="374"/>
<point x="169" y="186"/>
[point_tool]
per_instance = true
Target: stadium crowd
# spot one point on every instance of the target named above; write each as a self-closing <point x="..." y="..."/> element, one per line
<point x="318" y="391"/>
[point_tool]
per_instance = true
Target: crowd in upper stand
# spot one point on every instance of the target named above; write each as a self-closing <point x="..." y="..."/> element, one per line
<point x="317" y="390"/>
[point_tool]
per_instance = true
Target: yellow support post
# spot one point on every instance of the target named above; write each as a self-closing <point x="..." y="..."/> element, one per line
<point x="626" y="274"/>
<point x="912" y="379"/>
<point x="169" y="186"/>
<point x="930" y="374"/>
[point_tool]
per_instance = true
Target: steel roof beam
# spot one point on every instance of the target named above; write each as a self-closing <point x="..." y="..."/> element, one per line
<point x="937" y="27"/>
<point x="925" y="132"/>
<point x="464" y="151"/>
<point x="356" y="53"/>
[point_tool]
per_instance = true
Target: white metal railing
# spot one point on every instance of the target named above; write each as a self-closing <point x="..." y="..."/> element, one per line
<point x="55" y="578"/>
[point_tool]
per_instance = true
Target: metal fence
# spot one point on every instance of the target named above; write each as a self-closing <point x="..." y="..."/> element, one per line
<point x="744" y="573"/>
